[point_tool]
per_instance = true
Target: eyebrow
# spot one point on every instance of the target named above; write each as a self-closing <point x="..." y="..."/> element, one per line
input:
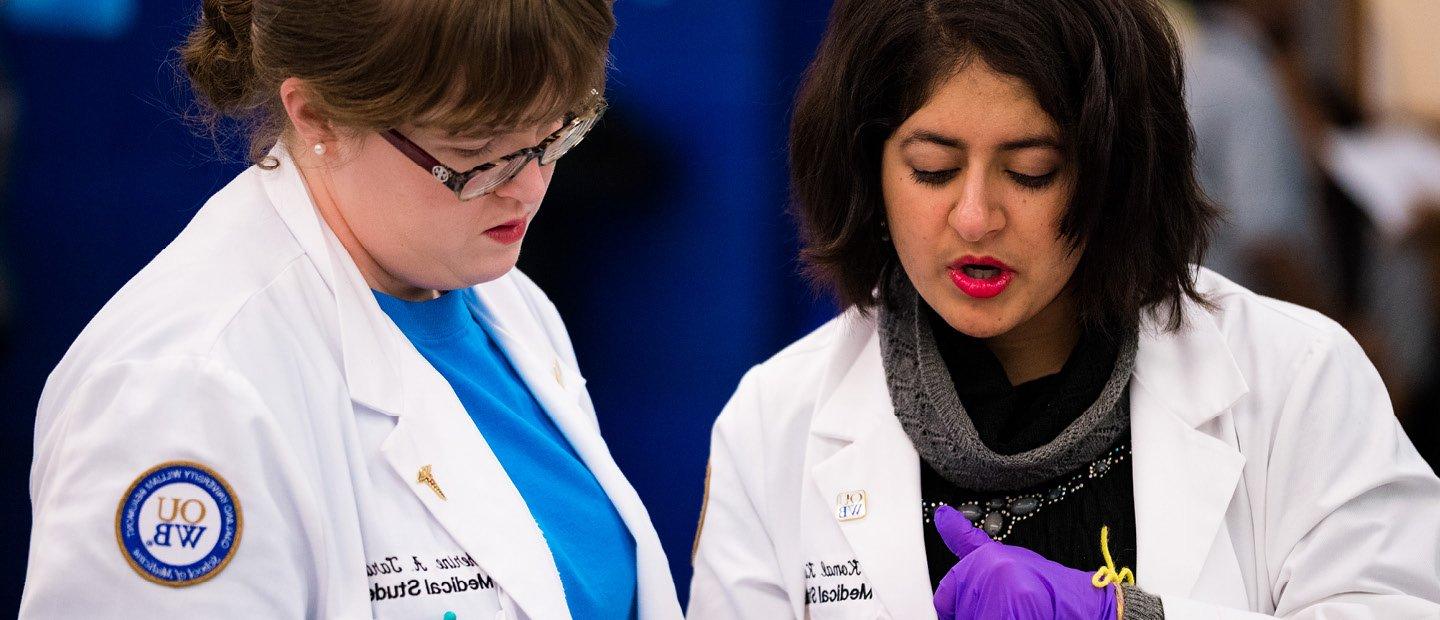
<point x="480" y="133"/>
<point x="931" y="137"/>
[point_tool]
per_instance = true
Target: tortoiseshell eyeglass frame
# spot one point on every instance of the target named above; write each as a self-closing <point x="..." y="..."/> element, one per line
<point x="570" y="133"/>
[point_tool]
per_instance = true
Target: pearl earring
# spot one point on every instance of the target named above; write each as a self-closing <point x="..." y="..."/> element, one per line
<point x="320" y="148"/>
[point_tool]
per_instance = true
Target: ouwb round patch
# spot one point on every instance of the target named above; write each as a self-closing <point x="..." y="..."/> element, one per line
<point x="179" y="524"/>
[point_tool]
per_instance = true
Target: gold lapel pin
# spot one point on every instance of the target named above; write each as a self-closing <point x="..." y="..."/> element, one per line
<point x="428" y="479"/>
<point x="559" y="378"/>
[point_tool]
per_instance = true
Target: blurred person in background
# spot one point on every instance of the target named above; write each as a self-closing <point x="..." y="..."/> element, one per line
<point x="333" y="396"/>
<point x="1383" y="155"/>
<point x="1361" y="80"/>
<point x="1250" y="159"/>
<point x="1031" y="378"/>
<point x="1295" y="108"/>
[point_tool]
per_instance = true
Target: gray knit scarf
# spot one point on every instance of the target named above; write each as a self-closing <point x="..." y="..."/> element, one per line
<point x="923" y="393"/>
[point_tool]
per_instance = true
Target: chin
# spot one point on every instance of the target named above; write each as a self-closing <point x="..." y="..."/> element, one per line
<point x="478" y="265"/>
<point x="490" y="270"/>
<point x="978" y="330"/>
<point x="982" y="319"/>
<point x="488" y="275"/>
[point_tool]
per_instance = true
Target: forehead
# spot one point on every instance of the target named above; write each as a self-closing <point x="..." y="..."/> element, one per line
<point x="457" y="125"/>
<point x="979" y="105"/>
<point x="449" y="130"/>
<point x="462" y="122"/>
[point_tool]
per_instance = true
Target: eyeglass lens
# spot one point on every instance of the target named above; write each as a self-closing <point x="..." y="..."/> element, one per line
<point x="490" y="179"/>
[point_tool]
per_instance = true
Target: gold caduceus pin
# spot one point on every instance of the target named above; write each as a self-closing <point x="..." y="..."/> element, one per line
<point x="428" y="479"/>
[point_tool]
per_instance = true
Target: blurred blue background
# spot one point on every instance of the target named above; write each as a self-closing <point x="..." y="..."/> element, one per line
<point x="664" y="241"/>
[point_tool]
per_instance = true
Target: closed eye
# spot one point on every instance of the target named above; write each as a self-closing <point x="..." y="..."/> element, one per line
<point x="1031" y="181"/>
<point x="471" y="153"/>
<point x="932" y="177"/>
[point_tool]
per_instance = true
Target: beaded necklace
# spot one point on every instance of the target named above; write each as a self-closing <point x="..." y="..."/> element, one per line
<point x="997" y="517"/>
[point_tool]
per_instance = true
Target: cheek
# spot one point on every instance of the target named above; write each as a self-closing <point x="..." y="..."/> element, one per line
<point x="399" y="217"/>
<point x="392" y="190"/>
<point x="914" y="214"/>
<point x="1037" y="227"/>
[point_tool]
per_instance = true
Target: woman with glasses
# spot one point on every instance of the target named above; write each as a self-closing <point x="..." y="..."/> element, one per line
<point x="1035" y="406"/>
<point x="333" y="396"/>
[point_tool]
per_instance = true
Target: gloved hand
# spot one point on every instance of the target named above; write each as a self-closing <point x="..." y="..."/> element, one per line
<point x="995" y="581"/>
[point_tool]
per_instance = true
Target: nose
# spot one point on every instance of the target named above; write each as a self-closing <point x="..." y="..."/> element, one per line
<point x="527" y="186"/>
<point x="976" y="213"/>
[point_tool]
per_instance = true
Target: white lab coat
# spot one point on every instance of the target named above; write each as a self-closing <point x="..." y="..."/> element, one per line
<point x="1271" y="478"/>
<point x="253" y="346"/>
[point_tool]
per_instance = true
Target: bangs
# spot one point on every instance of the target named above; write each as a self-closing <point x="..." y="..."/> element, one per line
<point x="489" y="65"/>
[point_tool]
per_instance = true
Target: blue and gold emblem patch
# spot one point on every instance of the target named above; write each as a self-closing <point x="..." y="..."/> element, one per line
<point x="178" y="524"/>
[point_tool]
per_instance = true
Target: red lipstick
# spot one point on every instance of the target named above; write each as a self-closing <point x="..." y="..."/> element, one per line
<point x="981" y="277"/>
<point x="509" y="232"/>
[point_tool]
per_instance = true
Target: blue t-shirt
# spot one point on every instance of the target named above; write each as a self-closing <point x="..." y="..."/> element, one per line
<point x="593" y="549"/>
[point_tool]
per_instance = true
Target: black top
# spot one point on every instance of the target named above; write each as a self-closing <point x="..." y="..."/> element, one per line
<point x="1014" y="419"/>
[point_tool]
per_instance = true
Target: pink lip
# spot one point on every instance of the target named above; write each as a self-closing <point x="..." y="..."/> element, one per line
<point x="981" y="288"/>
<point x="509" y="232"/>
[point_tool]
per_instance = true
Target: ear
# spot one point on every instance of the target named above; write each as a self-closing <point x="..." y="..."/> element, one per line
<point x="310" y="126"/>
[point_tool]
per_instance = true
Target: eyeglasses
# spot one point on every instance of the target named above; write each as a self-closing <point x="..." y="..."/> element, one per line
<point x="484" y="178"/>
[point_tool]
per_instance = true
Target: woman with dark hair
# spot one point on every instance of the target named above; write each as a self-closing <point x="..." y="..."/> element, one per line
<point x="332" y="396"/>
<point x="1034" y="405"/>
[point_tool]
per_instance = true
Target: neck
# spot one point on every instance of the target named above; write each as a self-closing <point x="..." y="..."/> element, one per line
<point x="1040" y="346"/>
<point x="317" y="180"/>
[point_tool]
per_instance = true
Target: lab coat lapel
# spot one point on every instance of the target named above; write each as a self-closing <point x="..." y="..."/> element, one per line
<point x="876" y="457"/>
<point x="1185" y="478"/>
<point x="558" y="389"/>
<point x="367" y="353"/>
<point x="481" y="508"/>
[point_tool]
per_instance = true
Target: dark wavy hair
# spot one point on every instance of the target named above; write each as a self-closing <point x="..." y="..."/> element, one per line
<point x="1107" y="71"/>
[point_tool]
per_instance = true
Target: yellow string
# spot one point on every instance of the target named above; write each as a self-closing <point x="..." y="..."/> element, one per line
<point x="1107" y="574"/>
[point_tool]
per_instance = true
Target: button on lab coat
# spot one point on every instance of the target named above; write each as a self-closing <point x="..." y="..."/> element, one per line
<point x="252" y="345"/>
<point x="1270" y="477"/>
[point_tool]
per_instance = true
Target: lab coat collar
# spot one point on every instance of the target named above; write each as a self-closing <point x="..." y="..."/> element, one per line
<point x="368" y="348"/>
<point x="854" y="381"/>
<point x="1185" y="477"/>
<point x="1192" y="367"/>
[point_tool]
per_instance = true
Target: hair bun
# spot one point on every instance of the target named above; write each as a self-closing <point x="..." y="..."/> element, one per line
<point x="213" y="14"/>
<point x="217" y="55"/>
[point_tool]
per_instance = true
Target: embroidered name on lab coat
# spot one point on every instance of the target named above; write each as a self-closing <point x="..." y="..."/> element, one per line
<point x="395" y="577"/>
<point x="837" y="582"/>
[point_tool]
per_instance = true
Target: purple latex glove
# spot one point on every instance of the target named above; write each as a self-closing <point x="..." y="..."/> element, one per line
<point x="995" y="581"/>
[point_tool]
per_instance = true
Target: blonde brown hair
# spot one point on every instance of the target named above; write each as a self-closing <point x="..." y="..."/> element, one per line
<point x="462" y="65"/>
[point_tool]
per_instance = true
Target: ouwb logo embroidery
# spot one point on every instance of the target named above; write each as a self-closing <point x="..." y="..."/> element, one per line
<point x="179" y="524"/>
